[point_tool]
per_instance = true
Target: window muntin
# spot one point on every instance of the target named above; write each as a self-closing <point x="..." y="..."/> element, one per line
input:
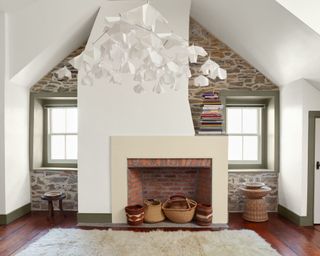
<point x="245" y="138"/>
<point x="62" y="134"/>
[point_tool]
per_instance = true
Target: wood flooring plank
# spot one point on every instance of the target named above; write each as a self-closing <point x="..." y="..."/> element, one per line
<point x="302" y="240"/>
<point x="263" y="229"/>
<point x="24" y="230"/>
<point x="287" y="238"/>
<point x="317" y="227"/>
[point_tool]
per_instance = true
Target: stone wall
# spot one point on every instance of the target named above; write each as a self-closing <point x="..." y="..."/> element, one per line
<point x="53" y="180"/>
<point x="236" y="199"/>
<point x="50" y="84"/>
<point x="47" y="180"/>
<point x="241" y="76"/>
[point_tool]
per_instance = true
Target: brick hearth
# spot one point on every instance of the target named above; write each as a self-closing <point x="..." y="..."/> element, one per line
<point x="161" y="178"/>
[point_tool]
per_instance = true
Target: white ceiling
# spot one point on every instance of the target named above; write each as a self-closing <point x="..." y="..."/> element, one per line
<point x="266" y="35"/>
<point x="263" y="32"/>
<point x="306" y="10"/>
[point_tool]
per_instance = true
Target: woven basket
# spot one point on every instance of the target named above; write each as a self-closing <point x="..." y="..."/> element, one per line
<point x="179" y="209"/>
<point x="135" y="214"/>
<point x="152" y="211"/>
<point x="204" y="215"/>
<point x="255" y="210"/>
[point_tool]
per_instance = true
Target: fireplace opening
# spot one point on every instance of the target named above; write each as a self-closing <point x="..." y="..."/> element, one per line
<point x="162" y="178"/>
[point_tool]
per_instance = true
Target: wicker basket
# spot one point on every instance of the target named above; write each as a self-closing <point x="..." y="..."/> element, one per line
<point x="152" y="211"/>
<point x="204" y="214"/>
<point x="255" y="210"/>
<point x="135" y="214"/>
<point x="179" y="209"/>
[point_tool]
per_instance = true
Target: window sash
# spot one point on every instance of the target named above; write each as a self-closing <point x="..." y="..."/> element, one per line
<point x="259" y="160"/>
<point x="50" y="134"/>
<point x="258" y="134"/>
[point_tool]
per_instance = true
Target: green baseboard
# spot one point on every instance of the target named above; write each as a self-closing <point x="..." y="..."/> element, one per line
<point x="16" y="214"/>
<point x="94" y="218"/>
<point x="299" y="220"/>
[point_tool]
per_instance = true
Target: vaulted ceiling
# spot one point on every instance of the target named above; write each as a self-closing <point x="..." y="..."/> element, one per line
<point x="307" y="11"/>
<point x="265" y="33"/>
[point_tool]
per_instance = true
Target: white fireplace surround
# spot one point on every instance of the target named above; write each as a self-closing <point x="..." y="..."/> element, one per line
<point x="214" y="147"/>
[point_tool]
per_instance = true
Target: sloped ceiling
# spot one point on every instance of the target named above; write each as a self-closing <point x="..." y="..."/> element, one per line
<point x="306" y="10"/>
<point x="266" y="34"/>
<point x="40" y="33"/>
<point x="263" y="32"/>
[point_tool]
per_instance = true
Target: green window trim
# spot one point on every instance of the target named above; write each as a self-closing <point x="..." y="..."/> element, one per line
<point x="258" y="98"/>
<point x="37" y="130"/>
<point x="261" y="163"/>
<point x="263" y="135"/>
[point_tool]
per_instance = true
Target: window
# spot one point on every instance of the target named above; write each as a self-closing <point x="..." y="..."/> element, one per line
<point x="244" y="127"/>
<point x="53" y="130"/>
<point x="252" y="123"/>
<point x="62" y="135"/>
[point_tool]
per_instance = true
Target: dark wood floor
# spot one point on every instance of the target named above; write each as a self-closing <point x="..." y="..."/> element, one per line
<point x="284" y="236"/>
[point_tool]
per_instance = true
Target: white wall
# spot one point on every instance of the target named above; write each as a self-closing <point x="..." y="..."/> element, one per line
<point x="17" y="178"/>
<point x="290" y="177"/>
<point x="311" y="102"/>
<point x="106" y="110"/>
<point x="297" y="99"/>
<point x="14" y="137"/>
<point x="2" y="73"/>
<point x="10" y="5"/>
<point x="38" y="36"/>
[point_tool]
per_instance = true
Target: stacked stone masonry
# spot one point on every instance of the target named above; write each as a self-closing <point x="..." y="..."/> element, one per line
<point x="49" y="180"/>
<point x="241" y="76"/>
<point x="50" y="84"/>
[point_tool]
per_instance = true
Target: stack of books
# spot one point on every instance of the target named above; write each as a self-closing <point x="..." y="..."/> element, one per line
<point x="211" y="119"/>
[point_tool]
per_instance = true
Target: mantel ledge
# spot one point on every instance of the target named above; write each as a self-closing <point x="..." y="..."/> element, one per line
<point x="251" y="170"/>
<point x="55" y="169"/>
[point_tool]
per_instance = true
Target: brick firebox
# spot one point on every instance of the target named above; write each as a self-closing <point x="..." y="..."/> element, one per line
<point x="161" y="178"/>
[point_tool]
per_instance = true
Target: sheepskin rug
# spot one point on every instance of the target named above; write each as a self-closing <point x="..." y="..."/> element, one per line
<point x="107" y="242"/>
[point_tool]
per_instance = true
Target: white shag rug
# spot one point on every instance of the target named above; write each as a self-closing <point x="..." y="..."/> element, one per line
<point x="155" y="243"/>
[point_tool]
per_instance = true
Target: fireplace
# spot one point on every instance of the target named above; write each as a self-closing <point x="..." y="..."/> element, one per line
<point x="161" y="178"/>
<point x="194" y="165"/>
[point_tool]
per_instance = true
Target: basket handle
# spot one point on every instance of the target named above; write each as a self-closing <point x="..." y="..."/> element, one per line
<point x="149" y="202"/>
<point x="188" y="202"/>
<point x="178" y="196"/>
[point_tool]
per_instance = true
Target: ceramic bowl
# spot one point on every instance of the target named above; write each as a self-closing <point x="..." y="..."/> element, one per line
<point x="253" y="185"/>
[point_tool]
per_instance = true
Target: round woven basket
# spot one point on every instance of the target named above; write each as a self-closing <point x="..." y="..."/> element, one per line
<point x="204" y="214"/>
<point x="179" y="209"/>
<point x="135" y="214"/>
<point x="152" y="211"/>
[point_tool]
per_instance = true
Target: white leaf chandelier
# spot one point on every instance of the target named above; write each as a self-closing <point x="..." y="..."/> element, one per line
<point x="140" y="44"/>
